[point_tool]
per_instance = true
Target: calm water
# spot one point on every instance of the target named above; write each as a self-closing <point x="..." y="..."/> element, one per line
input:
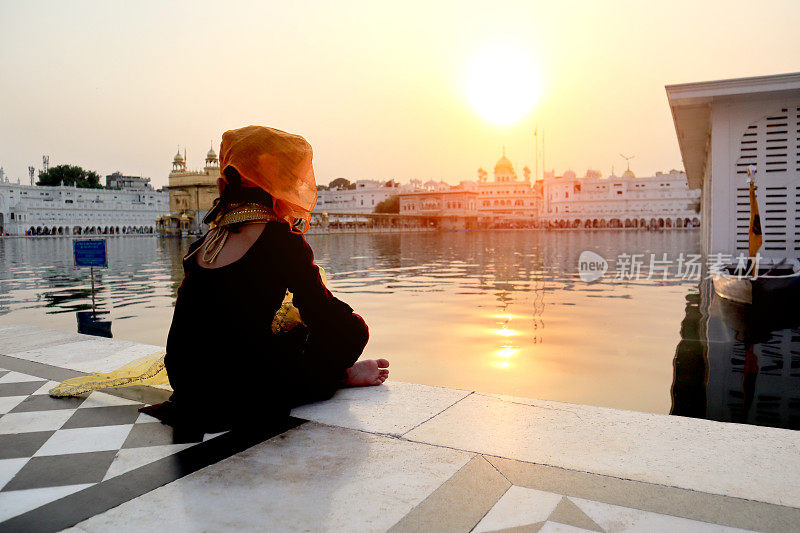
<point x="501" y="312"/>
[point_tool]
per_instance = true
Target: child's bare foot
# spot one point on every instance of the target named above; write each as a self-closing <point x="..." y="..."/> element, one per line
<point x="367" y="372"/>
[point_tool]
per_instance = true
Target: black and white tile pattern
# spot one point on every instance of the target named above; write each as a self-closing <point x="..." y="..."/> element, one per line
<point x="54" y="449"/>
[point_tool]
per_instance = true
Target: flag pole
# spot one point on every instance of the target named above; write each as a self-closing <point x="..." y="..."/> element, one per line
<point x="536" y="152"/>
<point x="754" y="238"/>
<point x="544" y="155"/>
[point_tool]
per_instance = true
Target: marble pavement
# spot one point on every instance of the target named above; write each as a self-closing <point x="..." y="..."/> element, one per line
<point x="400" y="457"/>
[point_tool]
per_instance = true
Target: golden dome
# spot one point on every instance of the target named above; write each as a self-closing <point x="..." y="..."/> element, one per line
<point x="503" y="165"/>
<point x="178" y="156"/>
<point x="628" y="174"/>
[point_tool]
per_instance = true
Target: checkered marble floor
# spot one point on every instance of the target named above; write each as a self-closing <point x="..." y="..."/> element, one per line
<point x="53" y="447"/>
<point x="522" y="508"/>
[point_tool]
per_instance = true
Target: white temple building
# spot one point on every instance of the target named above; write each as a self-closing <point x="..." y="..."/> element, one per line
<point x="64" y="210"/>
<point x="191" y="195"/>
<point x="723" y="127"/>
<point x="660" y="201"/>
<point x="663" y="201"/>
<point x="362" y="199"/>
<point x="508" y="198"/>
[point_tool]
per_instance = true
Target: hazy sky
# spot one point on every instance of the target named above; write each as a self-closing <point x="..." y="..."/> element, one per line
<point x="377" y="87"/>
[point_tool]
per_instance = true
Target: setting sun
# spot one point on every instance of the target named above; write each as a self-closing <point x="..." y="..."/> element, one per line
<point x="502" y="84"/>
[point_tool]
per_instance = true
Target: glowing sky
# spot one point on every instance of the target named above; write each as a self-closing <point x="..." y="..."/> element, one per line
<point x="378" y="88"/>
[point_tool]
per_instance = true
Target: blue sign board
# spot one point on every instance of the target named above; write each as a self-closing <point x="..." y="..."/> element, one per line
<point x="90" y="253"/>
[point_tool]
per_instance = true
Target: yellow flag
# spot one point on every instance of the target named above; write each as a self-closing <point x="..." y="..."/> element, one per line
<point x="754" y="238"/>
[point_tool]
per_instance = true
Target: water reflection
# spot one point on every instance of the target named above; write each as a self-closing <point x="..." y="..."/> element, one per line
<point x="93" y="323"/>
<point x="39" y="284"/>
<point x="500" y="312"/>
<point x="736" y="364"/>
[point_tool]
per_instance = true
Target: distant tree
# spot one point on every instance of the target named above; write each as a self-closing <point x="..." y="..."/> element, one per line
<point x="72" y="175"/>
<point x="322" y="187"/>
<point x="341" y="183"/>
<point x="390" y="205"/>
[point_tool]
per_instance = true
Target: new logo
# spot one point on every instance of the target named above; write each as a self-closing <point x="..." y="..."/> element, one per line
<point x="591" y="266"/>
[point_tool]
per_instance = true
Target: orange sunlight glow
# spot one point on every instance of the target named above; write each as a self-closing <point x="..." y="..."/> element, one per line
<point x="507" y="352"/>
<point x="502" y="84"/>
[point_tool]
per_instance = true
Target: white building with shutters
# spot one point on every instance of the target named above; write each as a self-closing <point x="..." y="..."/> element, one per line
<point x="725" y="126"/>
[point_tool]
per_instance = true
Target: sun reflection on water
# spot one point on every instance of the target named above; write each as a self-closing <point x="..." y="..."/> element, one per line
<point x="507" y="351"/>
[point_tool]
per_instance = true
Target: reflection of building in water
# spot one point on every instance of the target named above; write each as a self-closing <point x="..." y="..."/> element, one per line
<point x="763" y="391"/>
<point x="539" y="286"/>
<point x="724" y="373"/>
<point x="64" y="210"/>
<point x="725" y="126"/>
<point x="191" y="195"/>
<point x="660" y="201"/>
<point x="690" y="364"/>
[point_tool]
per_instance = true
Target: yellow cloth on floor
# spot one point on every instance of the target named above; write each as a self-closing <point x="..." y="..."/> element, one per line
<point x="147" y="370"/>
<point x="150" y="369"/>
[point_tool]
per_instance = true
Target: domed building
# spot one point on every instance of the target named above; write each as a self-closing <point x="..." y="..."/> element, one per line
<point x="178" y="162"/>
<point x="191" y="195"/>
<point x="504" y="170"/>
<point x="211" y="158"/>
<point x="508" y="200"/>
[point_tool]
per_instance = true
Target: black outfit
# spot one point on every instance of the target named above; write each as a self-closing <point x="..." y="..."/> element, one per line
<point x="225" y="365"/>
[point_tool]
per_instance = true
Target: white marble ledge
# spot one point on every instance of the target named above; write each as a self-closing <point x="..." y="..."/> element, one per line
<point x="756" y="463"/>
<point x="18" y="338"/>
<point x="393" y="408"/>
<point x="312" y="478"/>
<point x="88" y="354"/>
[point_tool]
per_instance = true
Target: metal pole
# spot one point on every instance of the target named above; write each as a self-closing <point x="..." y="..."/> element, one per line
<point x="92" y="271"/>
<point x="536" y="153"/>
<point x="544" y="155"/>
